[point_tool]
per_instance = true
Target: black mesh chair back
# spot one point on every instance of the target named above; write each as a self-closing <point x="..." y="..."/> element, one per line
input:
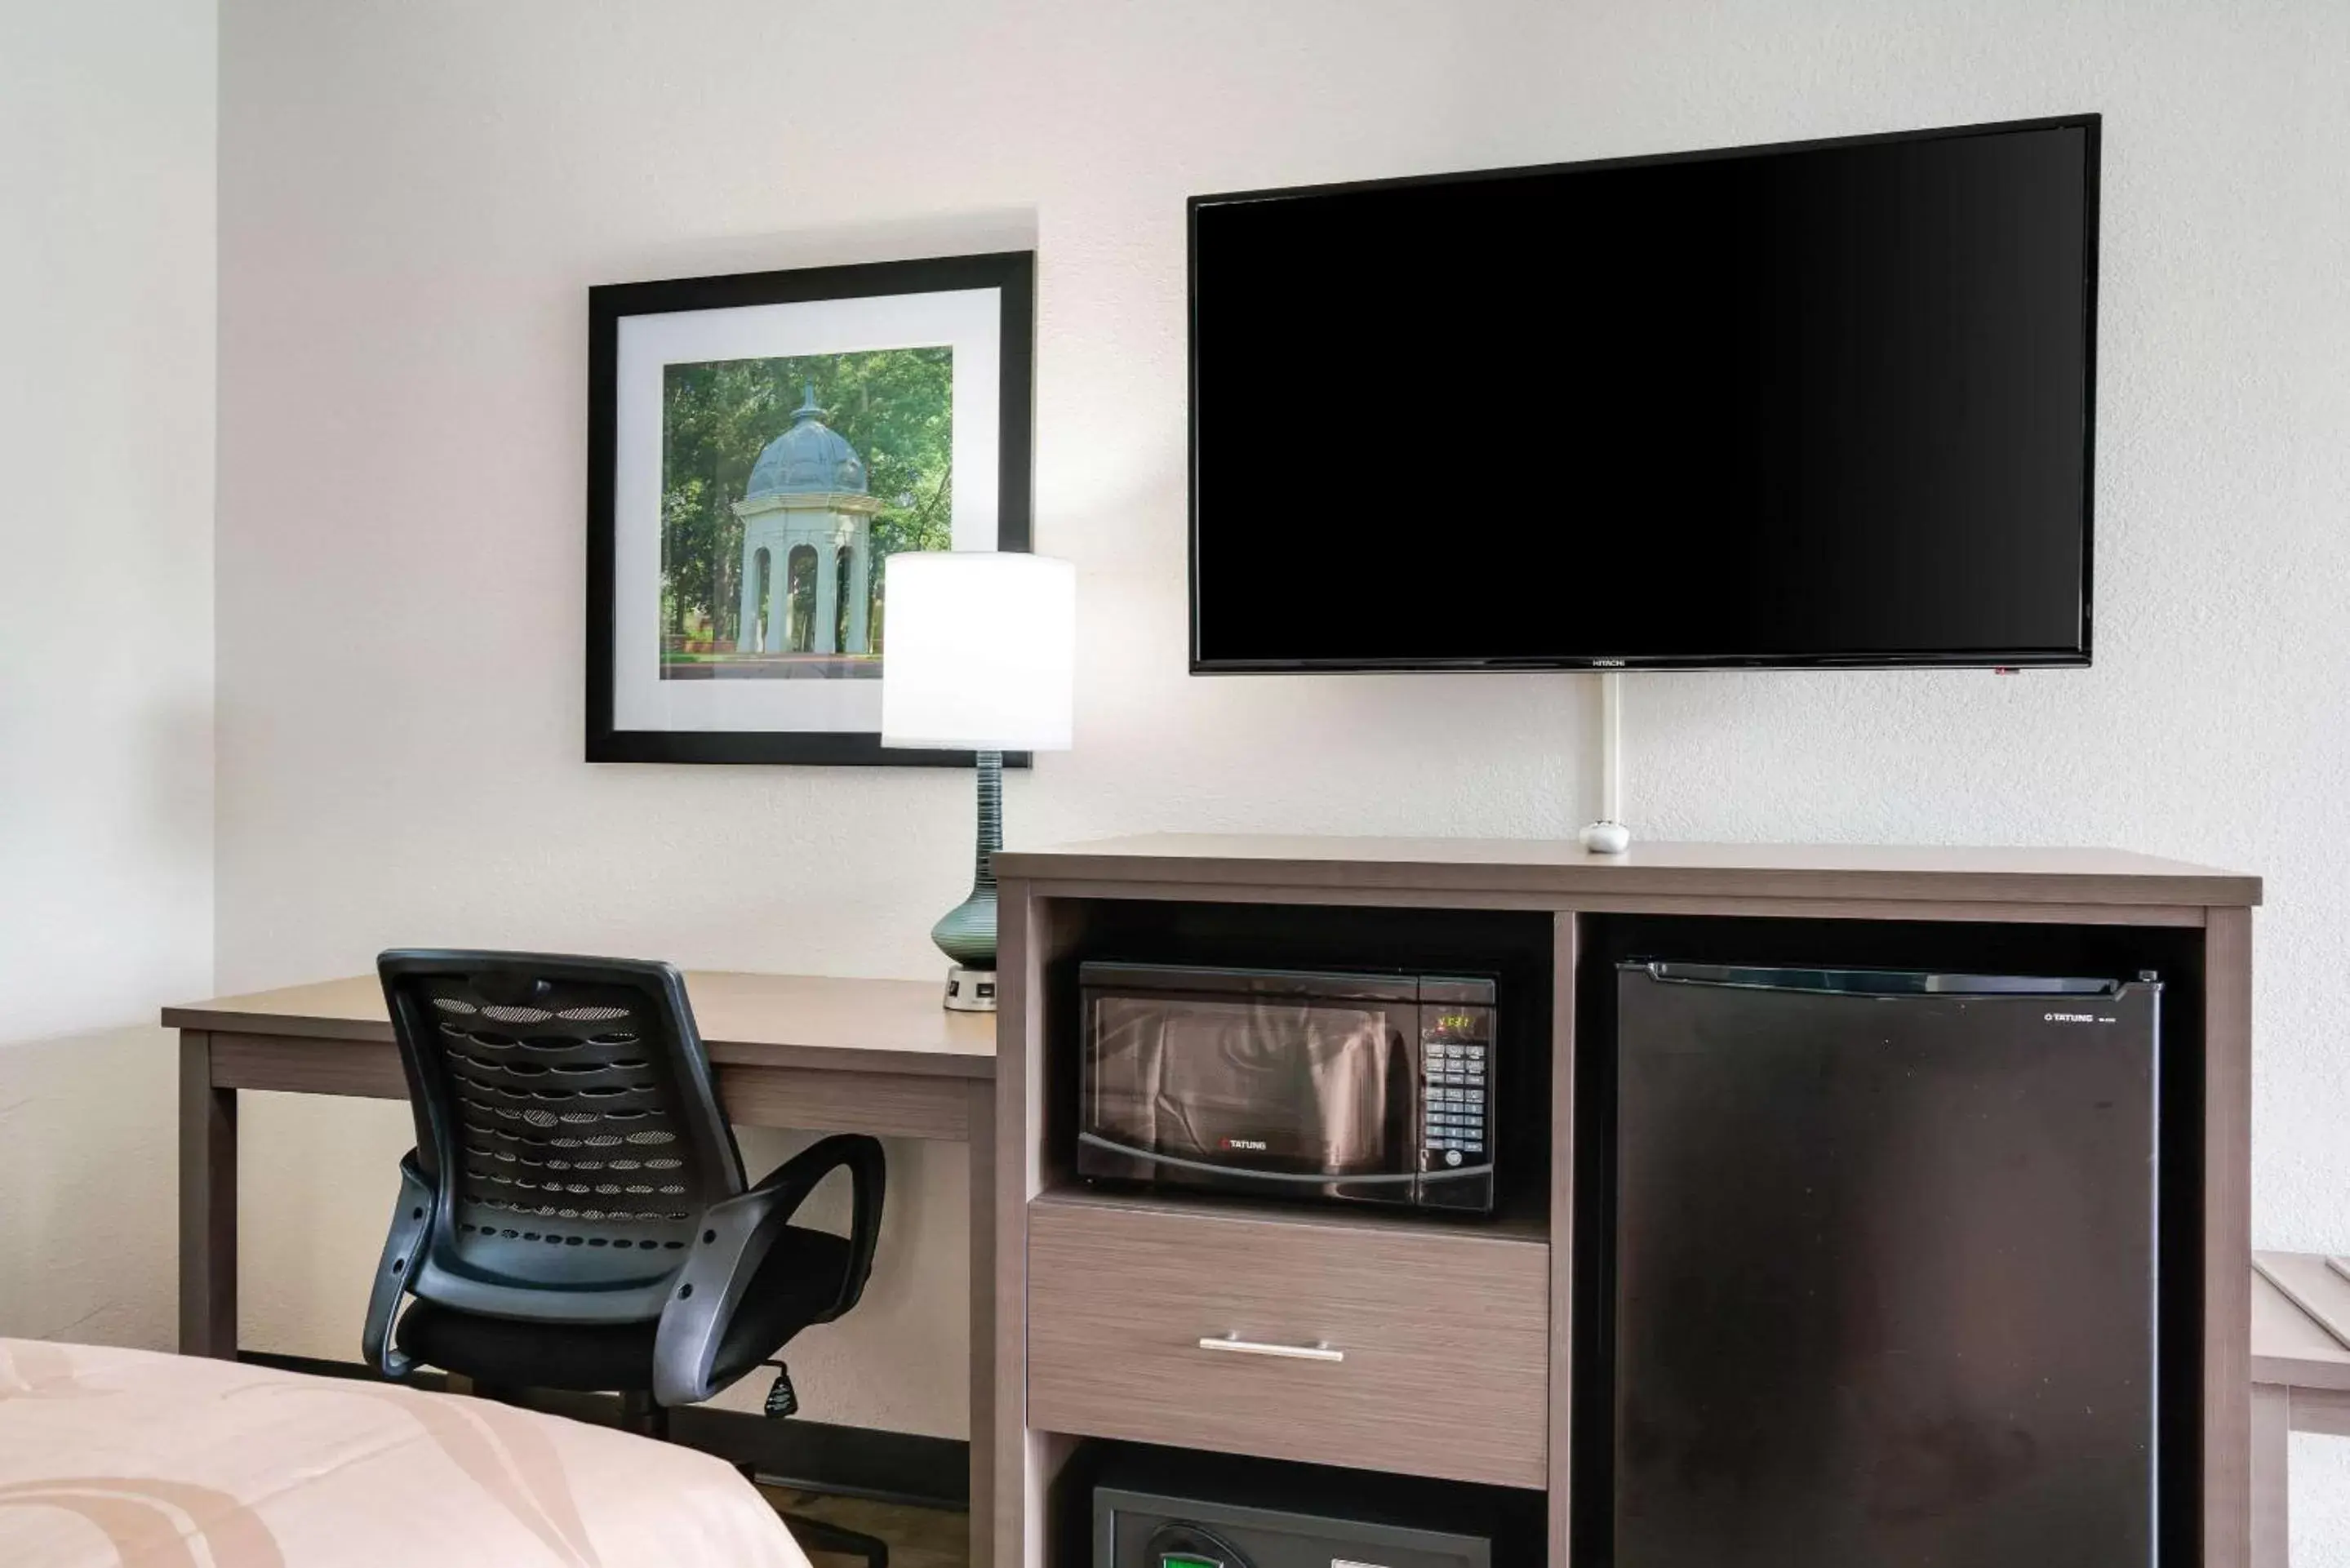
<point x="565" y="1117"/>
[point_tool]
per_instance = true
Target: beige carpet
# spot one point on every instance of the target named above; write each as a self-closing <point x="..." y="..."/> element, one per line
<point x="918" y="1537"/>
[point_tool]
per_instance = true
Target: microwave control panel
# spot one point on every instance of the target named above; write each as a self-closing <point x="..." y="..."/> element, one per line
<point x="1456" y="1057"/>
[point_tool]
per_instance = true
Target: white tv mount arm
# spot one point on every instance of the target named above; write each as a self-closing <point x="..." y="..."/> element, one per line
<point x="1609" y="835"/>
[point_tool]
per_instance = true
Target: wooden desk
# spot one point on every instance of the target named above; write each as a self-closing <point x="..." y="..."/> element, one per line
<point x="875" y="1056"/>
<point x="2300" y="1377"/>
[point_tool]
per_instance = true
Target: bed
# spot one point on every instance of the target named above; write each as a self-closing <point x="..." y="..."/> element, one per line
<point x="138" y="1460"/>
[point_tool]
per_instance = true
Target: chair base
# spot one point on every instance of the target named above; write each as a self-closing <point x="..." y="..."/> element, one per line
<point x="818" y="1536"/>
<point x="641" y="1417"/>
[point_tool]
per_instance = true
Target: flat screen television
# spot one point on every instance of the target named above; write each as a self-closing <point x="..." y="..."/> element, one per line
<point x="1826" y="404"/>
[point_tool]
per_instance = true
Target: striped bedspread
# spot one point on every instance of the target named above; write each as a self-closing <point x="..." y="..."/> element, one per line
<point x="128" y="1459"/>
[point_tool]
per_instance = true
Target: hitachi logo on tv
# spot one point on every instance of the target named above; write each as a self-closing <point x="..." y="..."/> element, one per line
<point x="1607" y="664"/>
<point x="1257" y="1144"/>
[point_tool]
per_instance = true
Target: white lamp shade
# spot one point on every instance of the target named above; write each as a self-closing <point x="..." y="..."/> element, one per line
<point x="979" y="650"/>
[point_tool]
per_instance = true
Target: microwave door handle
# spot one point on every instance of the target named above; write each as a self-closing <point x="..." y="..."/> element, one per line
<point x="1312" y="1179"/>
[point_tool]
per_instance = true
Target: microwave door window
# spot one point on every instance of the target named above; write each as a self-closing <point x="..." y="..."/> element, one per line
<point x="1255" y="1086"/>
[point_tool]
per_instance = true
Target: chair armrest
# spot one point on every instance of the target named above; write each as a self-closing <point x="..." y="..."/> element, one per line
<point x="736" y="1235"/>
<point x="404" y="1247"/>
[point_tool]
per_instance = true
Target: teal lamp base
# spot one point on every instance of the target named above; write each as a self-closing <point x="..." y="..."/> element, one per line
<point x="966" y="933"/>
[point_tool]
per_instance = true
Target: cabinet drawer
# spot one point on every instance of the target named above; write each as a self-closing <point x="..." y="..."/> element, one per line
<point x="1425" y="1350"/>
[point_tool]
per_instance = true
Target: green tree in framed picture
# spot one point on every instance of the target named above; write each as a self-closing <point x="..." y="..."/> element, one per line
<point x="784" y="485"/>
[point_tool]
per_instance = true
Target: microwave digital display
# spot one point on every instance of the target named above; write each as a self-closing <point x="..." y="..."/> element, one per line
<point x="1353" y="1087"/>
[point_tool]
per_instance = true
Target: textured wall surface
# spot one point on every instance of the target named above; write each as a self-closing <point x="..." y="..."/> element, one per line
<point x="415" y="197"/>
<point x="106" y="644"/>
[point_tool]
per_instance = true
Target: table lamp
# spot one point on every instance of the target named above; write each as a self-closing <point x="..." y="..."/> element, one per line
<point x="978" y="654"/>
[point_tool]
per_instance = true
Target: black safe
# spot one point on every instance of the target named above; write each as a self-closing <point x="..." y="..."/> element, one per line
<point x="1155" y="1508"/>
<point x="1143" y="1529"/>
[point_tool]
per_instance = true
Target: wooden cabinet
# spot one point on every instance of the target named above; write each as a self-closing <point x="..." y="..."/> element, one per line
<point x="1291" y="1337"/>
<point x="1452" y="1350"/>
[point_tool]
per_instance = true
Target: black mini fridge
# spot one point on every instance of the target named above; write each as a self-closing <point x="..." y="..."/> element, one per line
<point x="1883" y="1270"/>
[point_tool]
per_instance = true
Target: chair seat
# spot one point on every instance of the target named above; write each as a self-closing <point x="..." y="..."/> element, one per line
<point x="797" y="1282"/>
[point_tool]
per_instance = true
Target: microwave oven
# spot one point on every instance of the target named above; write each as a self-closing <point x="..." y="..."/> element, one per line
<point x="1368" y="1088"/>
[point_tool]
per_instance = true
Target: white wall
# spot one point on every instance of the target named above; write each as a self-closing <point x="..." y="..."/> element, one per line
<point x="416" y="195"/>
<point x="106" y="644"/>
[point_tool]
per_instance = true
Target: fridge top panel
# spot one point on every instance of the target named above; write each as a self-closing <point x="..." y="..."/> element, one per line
<point x="1880" y="981"/>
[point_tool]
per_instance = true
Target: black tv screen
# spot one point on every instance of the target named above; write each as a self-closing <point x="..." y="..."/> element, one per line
<point x="1826" y="404"/>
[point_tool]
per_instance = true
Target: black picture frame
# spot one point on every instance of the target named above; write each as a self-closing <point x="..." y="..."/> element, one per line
<point x="1011" y="273"/>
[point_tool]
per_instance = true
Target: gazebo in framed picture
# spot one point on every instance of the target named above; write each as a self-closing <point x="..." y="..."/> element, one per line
<point x="810" y="508"/>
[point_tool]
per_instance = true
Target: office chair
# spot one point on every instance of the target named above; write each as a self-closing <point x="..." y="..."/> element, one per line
<point x="574" y="1215"/>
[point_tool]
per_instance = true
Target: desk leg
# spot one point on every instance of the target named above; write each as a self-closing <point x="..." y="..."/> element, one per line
<point x="982" y="1122"/>
<point x="207" y="1204"/>
<point x="2271" y="1438"/>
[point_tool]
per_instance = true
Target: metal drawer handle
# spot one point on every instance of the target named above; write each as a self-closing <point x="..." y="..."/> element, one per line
<point x="1236" y="1346"/>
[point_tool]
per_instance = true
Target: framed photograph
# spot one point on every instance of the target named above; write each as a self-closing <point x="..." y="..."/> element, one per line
<point x="758" y="446"/>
